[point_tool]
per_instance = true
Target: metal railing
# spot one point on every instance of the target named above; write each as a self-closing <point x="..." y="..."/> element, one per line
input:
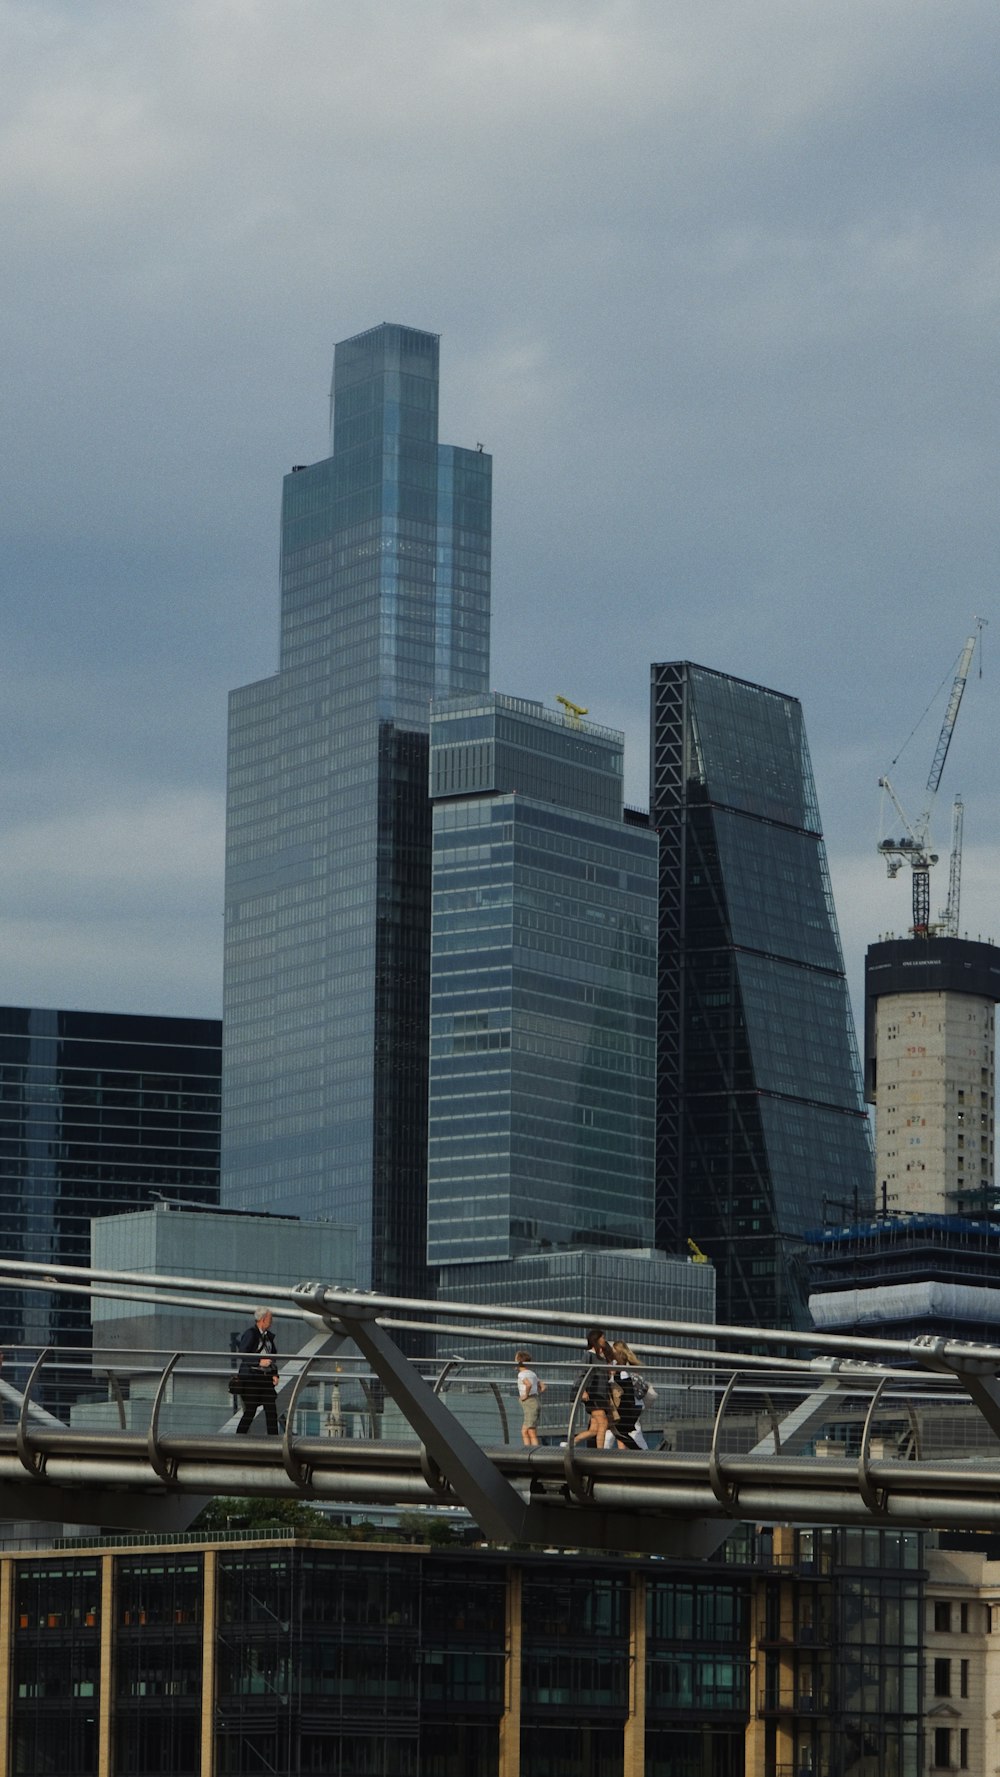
<point x="823" y="1431"/>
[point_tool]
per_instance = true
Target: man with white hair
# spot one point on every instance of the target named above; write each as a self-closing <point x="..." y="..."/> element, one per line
<point x="258" y="1373"/>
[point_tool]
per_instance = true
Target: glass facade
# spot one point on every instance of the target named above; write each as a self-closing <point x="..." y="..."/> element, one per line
<point x="697" y="1675"/>
<point x="646" y="1285"/>
<point x="837" y="1673"/>
<point x="339" y="1662"/>
<point x="158" y="1612"/>
<point x="574" y="1644"/>
<point x="799" y="1652"/>
<point x="385" y="565"/>
<point x="99" y="1112"/>
<point x="759" y="1103"/>
<point x="56" y="1668"/>
<point x="543" y="990"/>
<point x="614" y="1287"/>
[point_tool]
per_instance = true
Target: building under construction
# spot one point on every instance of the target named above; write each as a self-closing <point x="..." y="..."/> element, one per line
<point x="921" y="1259"/>
<point x="930" y="1073"/>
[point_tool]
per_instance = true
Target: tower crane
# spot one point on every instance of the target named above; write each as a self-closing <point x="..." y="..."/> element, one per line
<point x="913" y="845"/>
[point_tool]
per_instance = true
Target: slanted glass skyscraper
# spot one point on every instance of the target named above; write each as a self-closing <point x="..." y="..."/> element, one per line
<point x="759" y="1106"/>
<point x="385" y="563"/>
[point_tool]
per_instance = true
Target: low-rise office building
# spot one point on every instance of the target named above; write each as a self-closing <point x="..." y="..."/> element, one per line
<point x="793" y="1652"/>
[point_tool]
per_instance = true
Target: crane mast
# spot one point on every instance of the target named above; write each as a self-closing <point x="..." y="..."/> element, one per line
<point x="949" y="914"/>
<point x="913" y="845"/>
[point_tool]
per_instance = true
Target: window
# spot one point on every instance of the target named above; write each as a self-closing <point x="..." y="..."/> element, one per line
<point x="964" y="1618"/>
<point x="942" y="1678"/>
<point x="942" y="1748"/>
<point x="963" y="1753"/>
<point x="942" y="1618"/>
<point x="963" y="1679"/>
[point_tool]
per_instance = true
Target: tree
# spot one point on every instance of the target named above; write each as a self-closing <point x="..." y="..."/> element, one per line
<point x="294" y="1515"/>
<point x="426" y="1527"/>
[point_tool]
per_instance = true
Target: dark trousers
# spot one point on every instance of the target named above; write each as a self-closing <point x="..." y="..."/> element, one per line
<point x="623" y="1429"/>
<point x="258" y="1392"/>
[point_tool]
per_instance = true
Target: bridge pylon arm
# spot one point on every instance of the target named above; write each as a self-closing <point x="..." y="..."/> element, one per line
<point x="499" y="1510"/>
<point x="978" y="1375"/>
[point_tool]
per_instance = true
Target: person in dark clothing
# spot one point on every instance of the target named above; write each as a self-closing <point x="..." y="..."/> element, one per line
<point x="595" y="1394"/>
<point x="258" y="1373"/>
<point x="623" y="1406"/>
<point x="641" y="1389"/>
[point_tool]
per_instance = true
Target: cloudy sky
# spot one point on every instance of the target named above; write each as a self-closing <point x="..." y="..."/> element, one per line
<point x="717" y="283"/>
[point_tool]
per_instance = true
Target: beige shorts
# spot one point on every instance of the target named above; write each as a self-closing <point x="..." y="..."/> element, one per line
<point x="530" y="1408"/>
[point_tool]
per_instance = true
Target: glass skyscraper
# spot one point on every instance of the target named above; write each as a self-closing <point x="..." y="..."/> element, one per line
<point x="759" y="1106"/>
<point x="385" y="563"/>
<point x="100" y="1112"/>
<point x="543" y="996"/>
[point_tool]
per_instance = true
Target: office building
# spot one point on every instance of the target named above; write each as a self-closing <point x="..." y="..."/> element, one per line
<point x="543" y="989"/>
<point x="100" y="1112"/>
<point x="543" y="1015"/>
<point x="759" y="1106"/>
<point x="385" y="559"/>
<point x="801" y="1652"/>
<point x="254" y="1251"/>
<point x="135" y="1339"/>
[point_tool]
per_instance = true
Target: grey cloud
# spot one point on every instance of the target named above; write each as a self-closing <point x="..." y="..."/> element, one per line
<point x="716" y="284"/>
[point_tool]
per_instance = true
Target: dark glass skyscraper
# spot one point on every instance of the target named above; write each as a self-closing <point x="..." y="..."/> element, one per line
<point x="99" y="1112"/>
<point x="759" y="1104"/>
<point x="385" y="559"/>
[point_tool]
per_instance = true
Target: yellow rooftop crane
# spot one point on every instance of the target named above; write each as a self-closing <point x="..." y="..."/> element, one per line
<point x="573" y="710"/>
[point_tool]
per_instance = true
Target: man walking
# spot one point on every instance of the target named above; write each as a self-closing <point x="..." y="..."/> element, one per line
<point x="258" y="1373"/>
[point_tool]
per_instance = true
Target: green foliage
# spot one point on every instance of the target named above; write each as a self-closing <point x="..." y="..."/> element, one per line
<point x="426" y="1528"/>
<point x="268" y="1514"/>
<point x="300" y="1519"/>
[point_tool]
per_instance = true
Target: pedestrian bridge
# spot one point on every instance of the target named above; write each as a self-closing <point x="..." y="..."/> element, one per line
<point x="390" y="1403"/>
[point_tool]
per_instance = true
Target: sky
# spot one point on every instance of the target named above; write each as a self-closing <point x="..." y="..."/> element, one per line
<point x="716" y="284"/>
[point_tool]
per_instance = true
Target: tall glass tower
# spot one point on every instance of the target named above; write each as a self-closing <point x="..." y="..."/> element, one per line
<point x="385" y="565"/>
<point x="543" y="999"/>
<point x="759" y="1101"/>
<point x="543" y="1020"/>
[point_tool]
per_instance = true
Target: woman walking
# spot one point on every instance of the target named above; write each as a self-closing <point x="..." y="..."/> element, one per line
<point x="595" y="1392"/>
<point x="624" y="1401"/>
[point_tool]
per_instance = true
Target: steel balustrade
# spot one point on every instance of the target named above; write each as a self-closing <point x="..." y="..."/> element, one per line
<point x="796" y="1433"/>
